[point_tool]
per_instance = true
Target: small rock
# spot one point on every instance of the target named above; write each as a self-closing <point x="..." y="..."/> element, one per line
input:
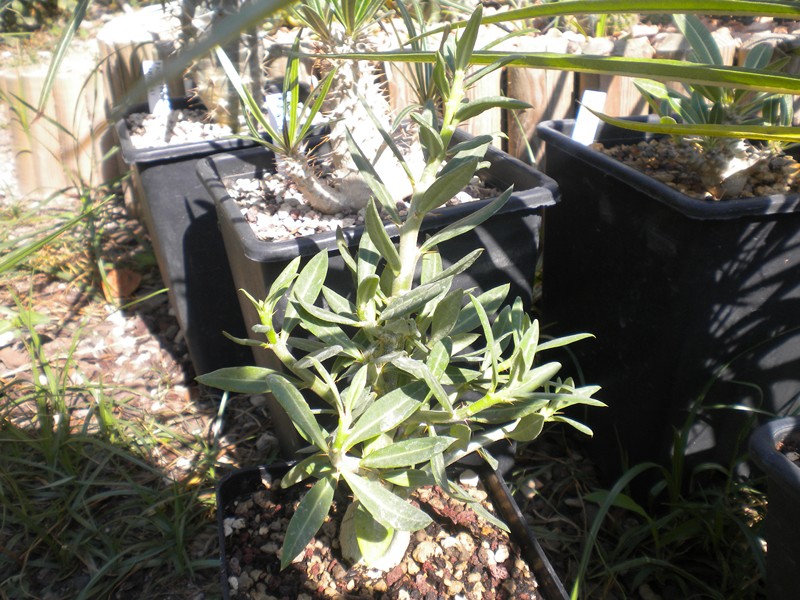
<point x="469" y="478"/>
<point x="425" y="551"/>
<point x="502" y="553"/>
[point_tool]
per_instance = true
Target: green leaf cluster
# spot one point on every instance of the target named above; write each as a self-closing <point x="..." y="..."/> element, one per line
<point x="416" y="373"/>
<point x="724" y="109"/>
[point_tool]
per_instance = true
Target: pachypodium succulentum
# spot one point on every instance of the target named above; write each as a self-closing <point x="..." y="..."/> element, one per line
<point x="415" y="373"/>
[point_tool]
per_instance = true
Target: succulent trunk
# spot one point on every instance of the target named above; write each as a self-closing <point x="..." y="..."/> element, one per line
<point x="355" y="101"/>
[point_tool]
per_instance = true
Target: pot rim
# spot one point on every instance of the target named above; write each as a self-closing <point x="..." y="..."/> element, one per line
<point x="554" y="132"/>
<point x="132" y="155"/>
<point x="544" y="194"/>
<point x="764" y="452"/>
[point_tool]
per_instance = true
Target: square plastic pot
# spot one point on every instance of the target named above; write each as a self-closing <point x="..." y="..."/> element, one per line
<point x="691" y="302"/>
<point x="181" y="219"/>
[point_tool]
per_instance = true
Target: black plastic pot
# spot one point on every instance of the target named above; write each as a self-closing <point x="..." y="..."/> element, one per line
<point x="510" y="239"/>
<point x="241" y="484"/>
<point x="691" y="301"/>
<point x="783" y="502"/>
<point x="182" y="223"/>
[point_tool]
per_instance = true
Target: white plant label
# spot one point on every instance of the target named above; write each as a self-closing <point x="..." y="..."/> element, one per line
<point x="586" y="123"/>
<point x="158" y="94"/>
<point x="273" y="105"/>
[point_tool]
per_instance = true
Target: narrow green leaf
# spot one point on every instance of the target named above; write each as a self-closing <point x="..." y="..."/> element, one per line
<point x="387" y="412"/>
<point x="759" y="56"/>
<point x="439" y="358"/>
<point x="475" y="146"/>
<point x="528" y="428"/>
<point x="319" y="356"/>
<point x="599" y="7"/>
<point x="358" y="386"/>
<point x="466" y="43"/>
<point x="373" y="537"/>
<point x="67" y="34"/>
<point x="332" y="334"/>
<point x="491" y="358"/>
<point x="323" y="314"/>
<point x="458" y="267"/>
<point x="376" y="186"/>
<point x="755" y="132"/>
<point x="241" y="380"/>
<point x="377" y="232"/>
<point x="400" y="306"/>
<point x="319" y="95"/>
<point x="307" y="519"/>
<point x="573" y="423"/>
<point x="703" y="45"/>
<point x="252" y="107"/>
<point x="296" y="407"/>
<point x="368" y="258"/>
<point x="491" y="300"/>
<point x="473" y="108"/>
<point x="387" y="508"/>
<point x="283" y="281"/>
<point x="563" y="341"/>
<point x="624" y="66"/>
<point x="446" y="314"/>
<point x="468" y="223"/>
<point x="311" y="278"/>
<point x="431" y="267"/>
<point x="366" y="292"/>
<point x="337" y="302"/>
<point x="421" y="371"/>
<point x="429" y="136"/>
<point x="445" y="187"/>
<point x="407" y="453"/>
<point x="306" y="288"/>
<point x="317" y="466"/>
<point x="411" y="478"/>
<point x="476" y="76"/>
<point x="344" y="251"/>
<point x="531" y="381"/>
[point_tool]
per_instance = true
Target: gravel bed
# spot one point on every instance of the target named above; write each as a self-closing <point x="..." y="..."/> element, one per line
<point x="176" y="127"/>
<point x="276" y="210"/>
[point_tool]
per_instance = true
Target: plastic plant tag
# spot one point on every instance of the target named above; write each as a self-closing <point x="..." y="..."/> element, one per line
<point x="273" y="106"/>
<point x="158" y="94"/>
<point x="586" y="123"/>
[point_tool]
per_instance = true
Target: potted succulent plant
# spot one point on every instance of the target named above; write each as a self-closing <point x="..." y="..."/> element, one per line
<point x="413" y="373"/>
<point x="690" y="298"/>
<point x="775" y="448"/>
<point x="510" y="235"/>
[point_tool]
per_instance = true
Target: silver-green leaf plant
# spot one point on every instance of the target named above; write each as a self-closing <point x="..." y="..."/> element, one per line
<point x="414" y="372"/>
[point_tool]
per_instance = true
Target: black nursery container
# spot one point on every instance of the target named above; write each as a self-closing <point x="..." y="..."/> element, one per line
<point x="783" y="502"/>
<point x="242" y="484"/>
<point x="690" y="301"/>
<point x="180" y="217"/>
